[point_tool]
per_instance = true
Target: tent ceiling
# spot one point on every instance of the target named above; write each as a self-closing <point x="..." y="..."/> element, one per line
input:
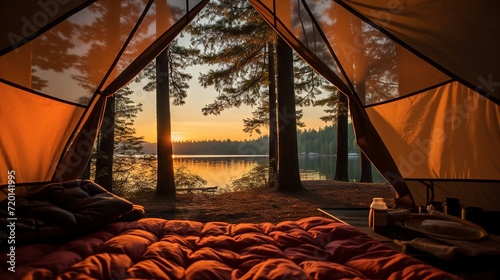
<point x="455" y="36"/>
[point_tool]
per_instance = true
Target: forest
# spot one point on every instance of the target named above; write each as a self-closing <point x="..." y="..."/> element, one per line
<point x="322" y="141"/>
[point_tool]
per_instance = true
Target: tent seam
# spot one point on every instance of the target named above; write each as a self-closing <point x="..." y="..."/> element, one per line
<point x="46" y="28"/>
<point x="125" y="45"/>
<point x="411" y="94"/>
<point x="42" y="94"/>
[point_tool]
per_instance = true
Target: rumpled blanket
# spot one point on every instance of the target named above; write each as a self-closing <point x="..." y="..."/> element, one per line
<point x="60" y="209"/>
<point x="152" y="248"/>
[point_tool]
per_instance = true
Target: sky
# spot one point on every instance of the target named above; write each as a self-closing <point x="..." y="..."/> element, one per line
<point x="188" y="122"/>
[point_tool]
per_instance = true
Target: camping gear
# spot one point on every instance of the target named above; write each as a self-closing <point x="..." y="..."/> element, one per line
<point x="378" y="218"/>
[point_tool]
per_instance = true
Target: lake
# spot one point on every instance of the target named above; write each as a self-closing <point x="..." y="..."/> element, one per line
<point x="220" y="170"/>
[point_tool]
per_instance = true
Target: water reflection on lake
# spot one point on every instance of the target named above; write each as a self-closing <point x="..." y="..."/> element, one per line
<point x="220" y="170"/>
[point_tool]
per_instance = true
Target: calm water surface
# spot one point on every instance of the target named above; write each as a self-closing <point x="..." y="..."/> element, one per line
<point x="220" y="170"/>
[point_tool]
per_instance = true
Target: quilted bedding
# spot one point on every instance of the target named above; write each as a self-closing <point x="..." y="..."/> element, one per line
<point x="61" y="210"/>
<point x="151" y="248"/>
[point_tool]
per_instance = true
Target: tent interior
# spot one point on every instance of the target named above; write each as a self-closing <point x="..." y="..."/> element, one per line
<point x="421" y="78"/>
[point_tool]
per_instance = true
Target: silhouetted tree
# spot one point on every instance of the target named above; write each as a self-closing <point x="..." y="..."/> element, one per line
<point x="126" y="144"/>
<point x="105" y="147"/>
<point x="342" y="170"/>
<point x="338" y="114"/>
<point x="273" y="123"/>
<point x="166" y="77"/>
<point x="288" y="162"/>
<point x="110" y="19"/>
<point x="165" y="184"/>
<point x="240" y="42"/>
<point x="101" y="35"/>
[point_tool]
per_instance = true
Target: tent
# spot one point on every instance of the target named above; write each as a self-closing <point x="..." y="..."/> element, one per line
<point x="422" y="81"/>
<point x="422" y="78"/>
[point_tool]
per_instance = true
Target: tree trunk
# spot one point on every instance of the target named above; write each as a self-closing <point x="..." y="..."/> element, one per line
<point x="273" y="124"/>
<point x="104" y="161"/>
<point x="366" y="169"/>
<point x="165" y="175"/>
<point x="341" y="171"/>
<point x="288" y="161"/>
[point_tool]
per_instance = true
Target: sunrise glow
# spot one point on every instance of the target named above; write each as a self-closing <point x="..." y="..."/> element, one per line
<point x="177" y="136"/>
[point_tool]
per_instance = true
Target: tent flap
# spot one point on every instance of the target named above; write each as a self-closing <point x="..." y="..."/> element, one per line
<point x="64" y="60"/>
<point x="421" y="78"/>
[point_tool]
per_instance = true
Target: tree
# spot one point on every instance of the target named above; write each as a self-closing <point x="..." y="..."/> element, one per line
<point x="235" y="38"/>
<point x="166" y="78"/>
<point x="273" y="123"/>
<point x="95" y="62"/>
<point x="165" y="184"/>
<point x="288" y="162"/>
<point x="109" y="17"/>
<point x="338" y="113"/>
<point x="341" y="172"/>
<point x="105" y="147"/>
<point x="126" y="144"/>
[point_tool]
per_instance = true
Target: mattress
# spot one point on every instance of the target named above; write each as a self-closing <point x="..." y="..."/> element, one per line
<point x="78" y="230"/>
<point x="154" y="248"/>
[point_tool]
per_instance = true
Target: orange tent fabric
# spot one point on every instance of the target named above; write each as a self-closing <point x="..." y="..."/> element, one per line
<point x="421" y="78"/>
<point x="58" y="63"/>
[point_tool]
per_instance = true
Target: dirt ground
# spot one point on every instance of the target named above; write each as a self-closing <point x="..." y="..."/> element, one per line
<point x="265" y="205"/>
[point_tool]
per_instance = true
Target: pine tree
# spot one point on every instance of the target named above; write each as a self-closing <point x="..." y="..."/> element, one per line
<point x="288" y="162"/>
<point x="233" y="37"/>
<point x="236" y="39"/>
<point x="165" y="184"/>
<point x="126" y="144"/>
<point x="338" y="113"/>
<point x="104" y="161"/>
<point x="166" y="77"/>
<point x="273" y="121"/>
<point x="342" y="170"/>
<point x="108" y="20"/>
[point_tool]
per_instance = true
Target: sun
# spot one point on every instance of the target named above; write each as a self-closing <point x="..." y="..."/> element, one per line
<point x="177" y="136"/>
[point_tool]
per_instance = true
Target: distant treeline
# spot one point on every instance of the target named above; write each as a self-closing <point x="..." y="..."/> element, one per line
<point x="323" y="141"/>
<point x="222" y="147"/>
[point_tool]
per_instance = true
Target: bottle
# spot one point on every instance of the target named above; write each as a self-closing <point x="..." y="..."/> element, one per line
<point x="378" y="219"/>
<point x="451" y="206"/>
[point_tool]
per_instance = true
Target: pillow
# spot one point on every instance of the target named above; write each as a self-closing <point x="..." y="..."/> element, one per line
<point x="63" y="208"/>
